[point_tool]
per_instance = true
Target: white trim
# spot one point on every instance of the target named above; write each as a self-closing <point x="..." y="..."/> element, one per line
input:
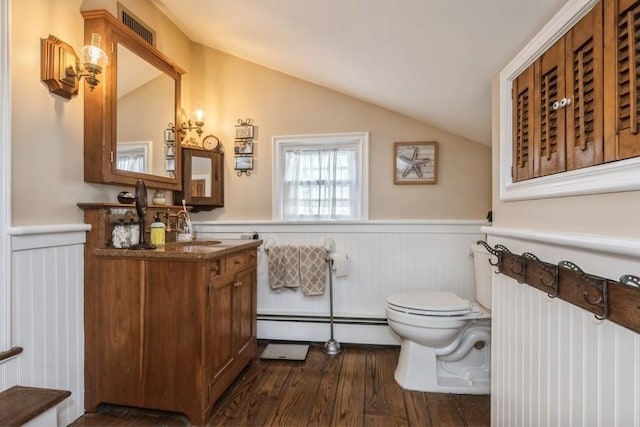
<point x="359" y="138"/>
<point x="612" y="177"/>
<point x="387" y="226"/>
<point x="592" y="242"/>
<point x="5" y="174"/>
<point x="48" y="236"/>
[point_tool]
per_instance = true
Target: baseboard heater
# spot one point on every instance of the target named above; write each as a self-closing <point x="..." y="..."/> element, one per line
<point x="373" y="321"/>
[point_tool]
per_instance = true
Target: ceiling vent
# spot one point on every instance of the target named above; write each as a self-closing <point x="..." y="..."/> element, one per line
<point x="136" y="25"/>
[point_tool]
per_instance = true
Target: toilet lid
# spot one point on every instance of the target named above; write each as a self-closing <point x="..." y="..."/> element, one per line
<point x="436" y="303"/>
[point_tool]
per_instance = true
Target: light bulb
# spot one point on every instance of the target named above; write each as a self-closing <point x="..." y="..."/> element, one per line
<point x="93" y="54"/>
<point x="198" y="116"/>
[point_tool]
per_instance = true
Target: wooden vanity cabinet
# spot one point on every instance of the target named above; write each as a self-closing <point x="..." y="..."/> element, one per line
<point x="168" y="334"/>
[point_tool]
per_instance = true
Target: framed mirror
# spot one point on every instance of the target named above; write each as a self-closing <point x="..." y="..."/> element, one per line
<point x="128" y="113"/>
<point x="202" y="180"/>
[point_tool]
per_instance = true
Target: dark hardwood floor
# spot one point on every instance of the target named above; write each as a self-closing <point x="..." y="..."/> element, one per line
<point x="355" y="388"/>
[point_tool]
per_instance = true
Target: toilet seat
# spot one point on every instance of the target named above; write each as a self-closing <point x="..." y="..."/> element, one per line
<point x="429" y="303"/>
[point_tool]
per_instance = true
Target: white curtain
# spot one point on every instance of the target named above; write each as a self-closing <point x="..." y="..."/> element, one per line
<point x="132" y="163"/>
<point x="320" y="184"/>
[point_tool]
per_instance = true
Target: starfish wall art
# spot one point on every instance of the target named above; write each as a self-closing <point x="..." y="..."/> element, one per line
<point x="415" y="162"/>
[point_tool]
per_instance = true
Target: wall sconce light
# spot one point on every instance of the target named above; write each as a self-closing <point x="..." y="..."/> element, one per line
<point x="196" y="122"/>
<point x="61" y="69"/>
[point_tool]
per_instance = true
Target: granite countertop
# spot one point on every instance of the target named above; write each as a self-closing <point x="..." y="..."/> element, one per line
<point x="193" y="250"/>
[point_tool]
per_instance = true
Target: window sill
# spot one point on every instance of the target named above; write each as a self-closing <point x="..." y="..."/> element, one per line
<point x="622" y="175"/>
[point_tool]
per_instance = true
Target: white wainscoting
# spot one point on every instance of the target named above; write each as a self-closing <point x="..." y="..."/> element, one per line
<point x="47" y="313"/>
<point x="384" y="257"/>
<point x="554" y="364"/>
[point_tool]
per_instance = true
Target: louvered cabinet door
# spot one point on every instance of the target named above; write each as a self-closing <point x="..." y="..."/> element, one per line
<point x="623" y="53"/>
<point x="584" y="115"/>
<point x="549" y="134"/>
<point x="523" y="124"/>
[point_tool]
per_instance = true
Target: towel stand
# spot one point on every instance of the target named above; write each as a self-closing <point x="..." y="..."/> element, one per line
<point x="331" y="347"/>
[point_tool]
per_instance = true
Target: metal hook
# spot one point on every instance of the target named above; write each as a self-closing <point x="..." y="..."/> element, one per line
<point x="630" y="280"/>
<point x="549" y="269"/>
<point x="493" y="252"/>
<point x="598" y="283"/>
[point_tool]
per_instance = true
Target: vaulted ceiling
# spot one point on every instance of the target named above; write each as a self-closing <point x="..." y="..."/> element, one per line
<point x="431" y="60"/>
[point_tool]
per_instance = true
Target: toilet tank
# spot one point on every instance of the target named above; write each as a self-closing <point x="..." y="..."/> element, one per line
<point x="483" y="274"/>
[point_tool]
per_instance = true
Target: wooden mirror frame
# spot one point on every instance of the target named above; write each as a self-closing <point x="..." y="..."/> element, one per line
<point x="100" y="105"/>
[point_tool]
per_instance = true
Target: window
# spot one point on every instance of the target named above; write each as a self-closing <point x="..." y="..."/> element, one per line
<point x="321" y="177"/>
<point x="134" y="156"/>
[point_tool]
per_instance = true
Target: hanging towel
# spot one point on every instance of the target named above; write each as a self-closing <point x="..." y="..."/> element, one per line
<point x="312" y="269"/>
<point x="284" y="267"/>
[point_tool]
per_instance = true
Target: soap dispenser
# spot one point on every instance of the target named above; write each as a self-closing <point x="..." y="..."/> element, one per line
<point x="158" y="230"/>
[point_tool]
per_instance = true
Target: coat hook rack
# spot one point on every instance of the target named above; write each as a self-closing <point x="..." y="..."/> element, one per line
<point x="616" y="301"/>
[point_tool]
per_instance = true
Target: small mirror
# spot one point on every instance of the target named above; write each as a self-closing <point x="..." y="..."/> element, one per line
<point x="141" y="210"/>
<point x="201" y="176"/>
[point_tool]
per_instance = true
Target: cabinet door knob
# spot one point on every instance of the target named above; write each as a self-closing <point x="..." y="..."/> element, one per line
<point x="564" y="102"/>
<point x="555" y="106"/>
<point x="238" y="283"/>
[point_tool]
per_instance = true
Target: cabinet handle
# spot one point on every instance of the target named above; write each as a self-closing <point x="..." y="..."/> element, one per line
<point x="238" y="283"/>
<point x="560" y="104"/>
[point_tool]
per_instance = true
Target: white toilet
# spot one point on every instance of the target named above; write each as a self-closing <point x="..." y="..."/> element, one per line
<point x="445" y="340"/>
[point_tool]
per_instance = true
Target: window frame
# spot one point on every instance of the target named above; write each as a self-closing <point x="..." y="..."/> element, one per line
<point x="280" y="143"/>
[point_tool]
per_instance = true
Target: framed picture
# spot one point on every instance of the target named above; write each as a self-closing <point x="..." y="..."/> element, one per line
<point x="244" y="163"/>
<point x="415" y="163"/>
<point x="243" y="147"/>
<point x="244" y="131"/>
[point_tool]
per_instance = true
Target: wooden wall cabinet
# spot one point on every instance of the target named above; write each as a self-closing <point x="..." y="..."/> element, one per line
<point x="558" y="104"/>
<point x="622" y="95"/>
<point x="108" y="129"/>
<point x="202" y="179"/>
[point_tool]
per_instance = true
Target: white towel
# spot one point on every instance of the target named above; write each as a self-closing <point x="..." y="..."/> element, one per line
<point x="284" y="267"/>
<point x="313" y="269"/>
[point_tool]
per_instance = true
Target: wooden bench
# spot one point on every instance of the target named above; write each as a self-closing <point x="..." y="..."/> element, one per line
<point x="19" y="405"/>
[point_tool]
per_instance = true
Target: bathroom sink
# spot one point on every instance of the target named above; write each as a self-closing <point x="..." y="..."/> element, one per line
<point x="200" y="243"/>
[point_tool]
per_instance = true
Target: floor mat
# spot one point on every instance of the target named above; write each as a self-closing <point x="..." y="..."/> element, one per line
<point x="285" y="352"/>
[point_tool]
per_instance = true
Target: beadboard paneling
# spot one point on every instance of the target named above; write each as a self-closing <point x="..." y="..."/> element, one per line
<point x="553" y="363"/>
<point x="384" y="258"/>
<point x="47" y="316"/>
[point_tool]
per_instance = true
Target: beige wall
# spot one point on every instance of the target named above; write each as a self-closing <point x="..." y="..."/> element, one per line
<point x="47" y="130"/>
<point x="282" y="105"/>
<point x="613" y="214"/>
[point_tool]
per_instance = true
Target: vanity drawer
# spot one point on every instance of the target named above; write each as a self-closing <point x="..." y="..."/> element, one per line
<point x="237" y="262"/>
